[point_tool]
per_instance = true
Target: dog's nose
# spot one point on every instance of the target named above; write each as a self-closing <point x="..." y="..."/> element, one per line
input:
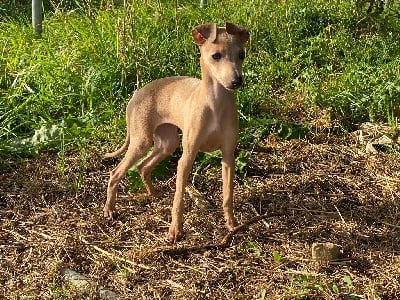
<point x="237" y="82"/>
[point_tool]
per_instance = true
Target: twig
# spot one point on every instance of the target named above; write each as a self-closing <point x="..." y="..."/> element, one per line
<point x="387" y="178"/>
<point x="113" y="256"/>
<point x="392" y="225"/>
<point x="333" y="195"/>
<point x="314" y="211"/>
<point x="15" y="234"/>
<point x="44" y="235"/>
<point x="176" y="262"/>
<point x="225" y="242"/>
<point x="340" y="215"/>
<point x="175" y="284"/>
<point x="257" y="214"/>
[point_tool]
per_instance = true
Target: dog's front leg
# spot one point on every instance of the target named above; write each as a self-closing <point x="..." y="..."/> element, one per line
<point x="228" y="172"/>
<point x="184" y="168"/>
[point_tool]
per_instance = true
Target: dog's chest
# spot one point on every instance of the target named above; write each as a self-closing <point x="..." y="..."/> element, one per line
<point x="214" y="136"/>
<point x="213" y="140"/>
<point x="218" y="125"/>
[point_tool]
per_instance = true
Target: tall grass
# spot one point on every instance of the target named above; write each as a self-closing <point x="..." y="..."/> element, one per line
<point x="71" y="85"/>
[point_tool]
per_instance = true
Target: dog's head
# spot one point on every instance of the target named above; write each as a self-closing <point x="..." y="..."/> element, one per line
<point x="222" y="51"/>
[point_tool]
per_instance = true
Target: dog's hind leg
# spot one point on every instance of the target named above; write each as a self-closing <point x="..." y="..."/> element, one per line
<point x="136" y="149"/>
<point x="165" y="142"/>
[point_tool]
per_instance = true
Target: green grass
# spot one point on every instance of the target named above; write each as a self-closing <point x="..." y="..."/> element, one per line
<point x="69" y="87"/>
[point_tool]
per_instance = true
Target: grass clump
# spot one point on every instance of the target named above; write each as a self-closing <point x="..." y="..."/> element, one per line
<point x="304" y="57"/>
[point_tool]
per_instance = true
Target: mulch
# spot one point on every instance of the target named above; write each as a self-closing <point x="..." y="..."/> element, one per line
<point x="325" y="188"/>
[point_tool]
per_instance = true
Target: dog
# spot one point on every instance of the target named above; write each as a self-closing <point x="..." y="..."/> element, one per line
<point x="204" y="110"/>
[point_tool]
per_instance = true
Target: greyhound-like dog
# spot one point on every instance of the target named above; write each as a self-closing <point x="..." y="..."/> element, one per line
<point x="204" y="110"/>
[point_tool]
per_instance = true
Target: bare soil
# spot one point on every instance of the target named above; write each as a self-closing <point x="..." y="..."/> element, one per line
<point x="322" y="189"/>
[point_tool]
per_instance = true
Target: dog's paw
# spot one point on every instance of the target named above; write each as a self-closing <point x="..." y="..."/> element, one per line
<point x="110" y="214"/>
<point x="231" y="224"/>
<point x="154" y="193"/>
<point x="175" y="233"/>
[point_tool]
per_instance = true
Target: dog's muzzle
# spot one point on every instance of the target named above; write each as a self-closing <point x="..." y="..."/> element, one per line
<point x="237" y="82"/>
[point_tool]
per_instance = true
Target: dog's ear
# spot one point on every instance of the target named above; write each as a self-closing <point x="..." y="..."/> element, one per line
<point x="204" y="32"/>
<point x="239" y="31"/>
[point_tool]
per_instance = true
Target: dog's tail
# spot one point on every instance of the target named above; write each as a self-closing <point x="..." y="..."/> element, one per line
<point x="120" y="150"/>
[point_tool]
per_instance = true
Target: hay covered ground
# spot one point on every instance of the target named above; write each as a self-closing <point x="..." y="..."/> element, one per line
<point x="322" y="189"/>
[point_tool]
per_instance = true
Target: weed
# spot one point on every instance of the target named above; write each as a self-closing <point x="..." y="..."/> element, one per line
<point x="250" y="247"/>
<point x="256" y="128"/>
<point x="277" y="257"/>
<point x="305" y="284"/>
<point x="263" y="294"/>
<point x="241" y="161"/>
<point x="160" y="171"/>
<point x="348" y="289"/>
<point x="348" y="282"/>
<point x="335" y="289"/>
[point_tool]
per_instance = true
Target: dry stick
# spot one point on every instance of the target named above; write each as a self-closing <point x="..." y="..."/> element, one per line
<point x="44" y="235"/>
<point x="225" y="242"/>
<point x="340" y="215"/>
<point x="113" y="256"/>
<point x="16" y="234"/>
<point x="314" y="211"/>
<point x="392" y="225"/>
<point x="257" y="214"/>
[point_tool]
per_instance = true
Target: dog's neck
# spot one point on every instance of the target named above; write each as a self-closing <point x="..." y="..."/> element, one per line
<point x="211" y="87"/>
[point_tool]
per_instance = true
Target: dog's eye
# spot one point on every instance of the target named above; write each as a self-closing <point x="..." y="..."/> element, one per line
<point x="242" y="55"/>
<point x="216" y="56"/>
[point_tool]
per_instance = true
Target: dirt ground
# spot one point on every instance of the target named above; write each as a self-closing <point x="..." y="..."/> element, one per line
<point x="324" y="188"/>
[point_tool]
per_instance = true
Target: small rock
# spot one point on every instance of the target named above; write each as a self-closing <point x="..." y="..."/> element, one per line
<point x="383" y="140"/>
<point x="374" y="145"/>
<point x="325" y="251"/>
<point x="370" y="148"/>
<point x="84" y="284"/>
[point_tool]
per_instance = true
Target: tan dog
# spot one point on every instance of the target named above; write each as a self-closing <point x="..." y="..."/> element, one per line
<point x="203" y="109"/>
